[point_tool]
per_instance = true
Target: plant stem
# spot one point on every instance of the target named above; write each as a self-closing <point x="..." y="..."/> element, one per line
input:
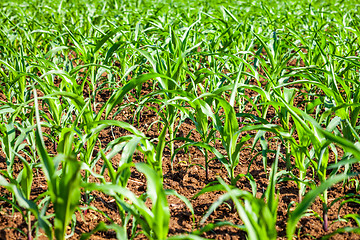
<point x="29" y="226"/>
<point x="325" y="213"/>
<point x="206" y="166"/>
<point x="171" y="137"/>
<point x="301" y="185"/>
<point x="232" y="179"/>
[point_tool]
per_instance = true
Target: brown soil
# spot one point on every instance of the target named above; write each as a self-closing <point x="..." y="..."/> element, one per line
<point x="187" y="178"/>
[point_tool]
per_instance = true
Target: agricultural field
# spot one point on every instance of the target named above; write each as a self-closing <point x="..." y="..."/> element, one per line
<point x="179" y="119"/>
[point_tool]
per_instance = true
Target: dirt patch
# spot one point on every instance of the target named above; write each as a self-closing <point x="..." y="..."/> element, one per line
<point x="187" y="178"/>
